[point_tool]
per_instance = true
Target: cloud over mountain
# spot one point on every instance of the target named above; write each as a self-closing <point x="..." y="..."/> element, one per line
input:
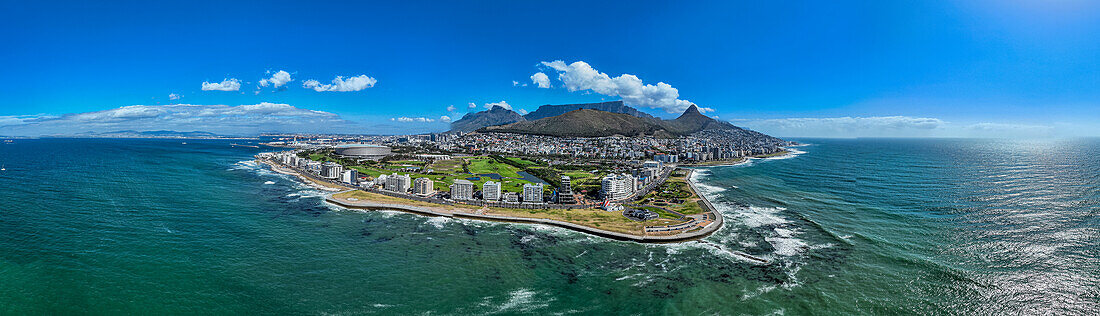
<point x="580" y="76"/>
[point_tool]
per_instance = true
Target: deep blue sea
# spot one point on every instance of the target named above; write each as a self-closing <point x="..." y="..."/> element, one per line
<point x="852" y="226"/>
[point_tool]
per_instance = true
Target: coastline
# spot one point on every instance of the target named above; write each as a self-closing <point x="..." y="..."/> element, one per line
<point x="711" y="218"/>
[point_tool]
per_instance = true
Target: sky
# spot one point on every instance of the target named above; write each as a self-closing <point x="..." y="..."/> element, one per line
<point x="1007" y="68"/>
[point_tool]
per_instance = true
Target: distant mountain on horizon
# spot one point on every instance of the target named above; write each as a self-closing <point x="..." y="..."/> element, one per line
<point x="496" y="115"/>
<point x="597" y="123"/>
<point x="144" y="134"/>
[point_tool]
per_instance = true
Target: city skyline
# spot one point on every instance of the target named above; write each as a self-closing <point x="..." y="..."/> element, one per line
<point x="979" y="69"/>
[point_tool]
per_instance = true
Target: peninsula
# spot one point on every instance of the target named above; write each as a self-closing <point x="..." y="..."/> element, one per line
<point x="584" y="179"/>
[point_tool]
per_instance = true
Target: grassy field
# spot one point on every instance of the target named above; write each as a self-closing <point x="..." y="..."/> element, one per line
<point x="483" y="165"/>
<point x="448" y="166"/>
<point x="522" y="162"/>
<point x="661" y="212"/>
<point x="675" y="188"/>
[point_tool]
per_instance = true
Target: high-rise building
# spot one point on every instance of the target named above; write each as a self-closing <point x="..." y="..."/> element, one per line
<point x="617" y="186"/>
<point x="532" y="193"/>
<point x="565" y="192"/>
<point x="423" y="186"/>
<point x="462" y="189"/>
<point x="350" y="176"/>
<point x="490" y="191"/>
<point x="331" y="170"/>
<point x="398" y="183"/>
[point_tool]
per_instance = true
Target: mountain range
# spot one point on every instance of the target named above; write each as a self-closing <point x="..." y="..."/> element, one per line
<point x="595" y="123"/>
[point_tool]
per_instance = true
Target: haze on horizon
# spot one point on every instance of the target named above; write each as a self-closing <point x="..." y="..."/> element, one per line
<point x="1022" y="68"/>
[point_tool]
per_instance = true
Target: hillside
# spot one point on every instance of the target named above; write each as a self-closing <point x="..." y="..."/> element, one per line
<point x="582" y="123"/>
<point x="550" y="110"/>
<point x="491" y="117"/>
<point x="595" y="123"/>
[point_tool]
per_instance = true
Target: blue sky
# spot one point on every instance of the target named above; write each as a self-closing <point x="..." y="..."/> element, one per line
<point x="838" y="69"/>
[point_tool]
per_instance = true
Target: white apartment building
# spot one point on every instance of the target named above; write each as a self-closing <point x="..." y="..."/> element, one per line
<point x="490" y="191"/>
<point x="350" y="176"/>
<point x="398" y="183"/>
<point x="423" y="186"/>
<point x="331" y="170"/>
<point x="617" y="187"/>
<point x="462" y="190"/>
<point x="532" y="193"/>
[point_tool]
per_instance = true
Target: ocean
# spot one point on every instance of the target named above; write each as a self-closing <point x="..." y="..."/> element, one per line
<point x="849" y="226"/>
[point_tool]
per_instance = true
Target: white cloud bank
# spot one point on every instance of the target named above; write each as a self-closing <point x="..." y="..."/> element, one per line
<point x="277" y="80"/>
<point x="404" y="119"/>
<point x="227" y="84"/>
<point x="444" y="118"/>
<point x="340" y="84"/>
<point x="890" y="126"/>
<point x="222" y="119"/>
<point x="580" y="76"/>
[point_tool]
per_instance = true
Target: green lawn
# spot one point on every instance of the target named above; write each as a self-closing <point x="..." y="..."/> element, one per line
<point x="483" y="165"/>
<point x="522" y="162"/>
<point x="661" y="212"/>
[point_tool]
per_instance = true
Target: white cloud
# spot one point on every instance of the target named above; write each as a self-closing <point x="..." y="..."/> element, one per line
<point x="521" y="111"/>
<point x="472" y="105"/>
<point x="451" y="108"/>
<point x="876" y="126"/>
<point x="279" y="79"/>
<point x="502" y="104"/>
<point x="174" y="96"/>
<point x="444" y="118"/>
<point x="356" y="83"/>
<point x="541" y="79"/>
<point x="580" y="76"/>
<point x="225" y="119"/>
<point x="228" y="84"/>
<point x="404" y="119"/>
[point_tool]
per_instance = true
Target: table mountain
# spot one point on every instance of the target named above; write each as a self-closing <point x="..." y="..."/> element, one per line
<point x="596" y="123"/>
<point x="549" y="110"/>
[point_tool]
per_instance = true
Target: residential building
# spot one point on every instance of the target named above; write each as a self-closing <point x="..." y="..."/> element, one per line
<point x="490" y="191"/>
<point x="511" y="197"/>
<point x="350" y="176"/>
<point x="423" y="186"/>
<point x="331" y="170"/>
<point x="462" y="189"/>
<point x="398" y="183"/>
<point x="617" y="186"/>
<point x="565" y="192"/>
<point x="532" y="193"/>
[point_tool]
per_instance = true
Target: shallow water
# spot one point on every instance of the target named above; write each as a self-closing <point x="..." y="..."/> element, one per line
<point x="849" y="226"/>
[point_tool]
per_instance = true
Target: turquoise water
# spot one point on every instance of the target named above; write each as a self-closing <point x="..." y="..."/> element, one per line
<point x="849" y="226"/>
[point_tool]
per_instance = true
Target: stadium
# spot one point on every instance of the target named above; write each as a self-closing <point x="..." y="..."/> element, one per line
<point x="362" y="151"/>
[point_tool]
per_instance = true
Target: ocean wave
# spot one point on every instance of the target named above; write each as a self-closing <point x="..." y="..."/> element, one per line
<point x="269" y="182"/>
<point x="791" y="154"/>
<point x="519" y="301"/>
